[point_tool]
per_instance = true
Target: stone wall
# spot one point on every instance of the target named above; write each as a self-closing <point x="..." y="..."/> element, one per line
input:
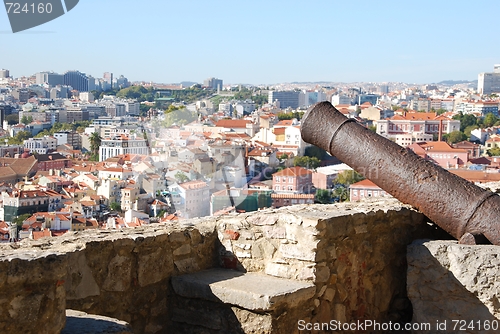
<point x="455" y="285"/>
<point x="354" y="254"/>
<point x="120" y="274"/>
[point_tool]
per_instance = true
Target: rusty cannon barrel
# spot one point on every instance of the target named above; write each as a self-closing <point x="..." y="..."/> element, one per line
<point x="462" y="209"/>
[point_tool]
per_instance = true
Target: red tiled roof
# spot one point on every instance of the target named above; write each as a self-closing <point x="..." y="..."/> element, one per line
<point x="232" y="123"/>
<point x="364" y="184"/>
<point x="293" y="171"/>
<point x="279" y="131"/>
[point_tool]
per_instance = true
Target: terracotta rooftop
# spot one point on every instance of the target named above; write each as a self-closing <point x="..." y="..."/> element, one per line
<point x="293" y="171"/>
<point x="232" y="123"/>
<point x="364" y="184"/>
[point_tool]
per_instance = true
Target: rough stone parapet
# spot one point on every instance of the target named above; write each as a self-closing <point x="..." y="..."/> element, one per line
<point x="100" y="272"/>
<point x="448" y="281"/>
<point x="353" y="253"/>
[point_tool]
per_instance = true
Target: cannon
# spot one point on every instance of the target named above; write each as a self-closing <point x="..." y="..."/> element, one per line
<point x="467" y="212"/>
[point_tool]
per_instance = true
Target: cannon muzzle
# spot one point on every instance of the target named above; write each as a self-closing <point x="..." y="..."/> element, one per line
<point x="458" y="206"/>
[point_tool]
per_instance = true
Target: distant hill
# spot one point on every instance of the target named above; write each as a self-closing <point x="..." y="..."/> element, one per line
<point x="456" y="82"/>
<point x="188" y="83"/>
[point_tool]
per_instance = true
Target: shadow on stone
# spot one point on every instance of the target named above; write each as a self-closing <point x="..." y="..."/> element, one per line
<point x="227" y="301"/>
<point x="448" y="282"/>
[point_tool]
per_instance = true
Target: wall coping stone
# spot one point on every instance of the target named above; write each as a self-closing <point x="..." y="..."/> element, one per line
<point x="251" y="291"/>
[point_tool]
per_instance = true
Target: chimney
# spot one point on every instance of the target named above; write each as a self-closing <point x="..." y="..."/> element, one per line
<point x="440" y="134"/>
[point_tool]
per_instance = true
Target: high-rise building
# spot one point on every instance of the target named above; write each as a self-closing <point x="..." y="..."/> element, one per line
<point x="21" y="94"/>
<point x="4" y="74"/>
<point x="108" y="78"/>
<point x="489" y="83"/>
<point x="5" y="110"/>
<point x="213" y="83"/>
<point x="79" y="81"/>
<point x="50" y="78"/>
<point x="285" y="98"/>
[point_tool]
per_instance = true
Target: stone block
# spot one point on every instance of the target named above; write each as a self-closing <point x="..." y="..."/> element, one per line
<point x="154" y="267"/>
<point x="188" y="265"/>
<point x="298" y="251"/>
<point x="232" y="235"/>
<point x="263" y="249"/>
<point x="183" y="250"/>
<point x="322" y="274"/>
<point x="329" y="294"/>
<point x="279" y="270"/>
<point x="119" y="276"/>
<point x="448" y="281"/>
<point x="177" y="237"/>
<point x="274" y="232"/>
<point x="251" y="291"/>
<point x="260" y="220"/>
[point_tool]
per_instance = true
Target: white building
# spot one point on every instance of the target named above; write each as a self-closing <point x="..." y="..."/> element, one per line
<point x="340" y="99"/>
<point x="41" y="145"/>
<point x="488" y="83"/>
<point x="191" y="199"/>
<point x="122" y="144"/>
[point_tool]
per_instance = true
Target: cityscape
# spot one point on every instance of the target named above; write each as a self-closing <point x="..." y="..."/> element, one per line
<point x="199" y="207"/>
<point x="81" y="152"/>
<point x="249" y="167"/>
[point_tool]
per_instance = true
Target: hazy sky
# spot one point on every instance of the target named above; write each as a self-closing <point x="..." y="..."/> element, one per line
<point x="262" y="42"/>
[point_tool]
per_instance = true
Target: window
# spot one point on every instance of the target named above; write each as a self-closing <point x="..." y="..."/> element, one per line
<point x="369" y="193"/>
<point x="277" y="188"/>
<point x="277" y="179"/>
<point x="290" y="180"/>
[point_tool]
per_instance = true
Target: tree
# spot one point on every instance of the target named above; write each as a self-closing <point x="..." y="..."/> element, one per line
<point x="469" y="129"/>
<point x="307" y="162"/>
<point x="12" y="119"/>
<point x="26" y="119"/>
<point x="115" y="206"/>
<point x="95" y="142"/>
<point x="348" y="177"/>
<point x="283" y="156"/>
<point x="19" y="220"/>
<point x="19" y="138"/>
<point x="178" y="115"/>
<point x="341" y="193"/>
<point x="455" y="137"/>
<point x="489" y="120"/>
<point x="493" y="152"/>
<point x="466" y="120"/>
<point x="323" y="196"/>
<point x="181" y="177"/>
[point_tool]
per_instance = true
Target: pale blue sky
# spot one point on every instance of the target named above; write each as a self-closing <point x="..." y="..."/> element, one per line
<point x="262" y="42"/>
